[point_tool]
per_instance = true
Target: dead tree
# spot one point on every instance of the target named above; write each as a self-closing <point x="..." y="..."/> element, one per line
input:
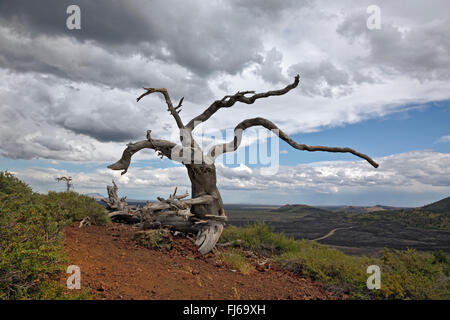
<point x="113" y="203"/>
<point x="204" y="212"/>
<point x="68" y="181"/>
<point x="118" y="209"/>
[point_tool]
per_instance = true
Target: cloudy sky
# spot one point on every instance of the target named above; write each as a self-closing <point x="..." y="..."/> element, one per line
<point x="68" y="97"/>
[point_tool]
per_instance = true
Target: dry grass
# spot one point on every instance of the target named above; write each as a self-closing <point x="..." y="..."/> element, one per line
<point x="236" y="260"/>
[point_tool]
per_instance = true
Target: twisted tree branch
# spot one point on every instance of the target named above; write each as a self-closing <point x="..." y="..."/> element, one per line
<point x="185" y="135"/>
<point x="170" y="106"/>
<point x="68" y="181"/>
<point x="162" y="146"/>
<point x="230" y="100"/>
<point x="231" y="146"/>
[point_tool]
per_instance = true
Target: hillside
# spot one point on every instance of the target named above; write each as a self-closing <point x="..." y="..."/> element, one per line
<point x="250" y="262"/>
<point x="353" y="209"/>
<point x="260" y="265"/>
<point x="441" y="206"/>
<point x="114" y="267"/>
<point x="356" y="232"/>
<point x="299" y="208"/>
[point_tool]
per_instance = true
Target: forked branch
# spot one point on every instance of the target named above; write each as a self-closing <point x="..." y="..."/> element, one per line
<point x="230" y="100"/>
<point x="68" y="181"/>
<point x="185" y="135"/>
<point x="173" y="111"/>
<point x="231" y="146"/>
<point x="176" y="196"/>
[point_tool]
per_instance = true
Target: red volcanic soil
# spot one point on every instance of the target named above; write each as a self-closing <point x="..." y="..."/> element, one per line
<point x="114" y="267"/>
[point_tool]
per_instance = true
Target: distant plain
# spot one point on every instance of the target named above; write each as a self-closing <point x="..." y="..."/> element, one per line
<point x="364" y="231"/>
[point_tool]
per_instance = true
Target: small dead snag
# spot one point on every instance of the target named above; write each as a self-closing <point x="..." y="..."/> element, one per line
<point x="68" y="181"/>
<point x="118" y="208"/>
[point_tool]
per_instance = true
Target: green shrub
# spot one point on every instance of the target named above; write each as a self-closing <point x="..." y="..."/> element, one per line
<point x="76" y="207"/>
<point x="411" y="275"/>
<point x="30" y="250"/>
<point x="51" y="290"/>
<point x="440" y="257"/>
<point x="31" y="225"/>
<point x="329" y="266"/>
<point x="9" y="184"/>
<point x="260" y="237"/>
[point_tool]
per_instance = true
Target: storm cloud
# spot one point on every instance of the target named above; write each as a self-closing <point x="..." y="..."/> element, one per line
<point x="171" y="31"/>
<point x="71" y="94"/>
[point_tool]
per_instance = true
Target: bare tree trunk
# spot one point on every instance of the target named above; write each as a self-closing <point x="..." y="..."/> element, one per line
<point x="204" y="182"/>
<point x="68" y="181"/>
<point x="113" y="202"/>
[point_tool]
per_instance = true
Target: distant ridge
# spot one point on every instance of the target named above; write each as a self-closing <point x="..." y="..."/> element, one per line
<point x="96" y="196"/>
<point x="441" y="206"/>
<point x="344" y="208"/>
<point x="299" y="208"/>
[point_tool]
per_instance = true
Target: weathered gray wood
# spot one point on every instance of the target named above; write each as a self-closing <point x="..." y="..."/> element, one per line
<point x="204" y="212"/>
<point x="231" y="146"/>
<point x="208" y="236"/>
<point x="68" y="181"/>
<point x="113" y="202"/>
<point x="177" y="223"/>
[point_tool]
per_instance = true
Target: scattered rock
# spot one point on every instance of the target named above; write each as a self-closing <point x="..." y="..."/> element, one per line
<point x="151" y="225"/>
<point x="260" y="268"/>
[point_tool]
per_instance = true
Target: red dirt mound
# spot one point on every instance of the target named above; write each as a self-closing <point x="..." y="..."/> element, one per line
<point x="114" y="267"/>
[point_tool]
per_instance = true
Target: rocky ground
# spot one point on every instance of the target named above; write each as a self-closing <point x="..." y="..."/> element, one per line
<point x="113" y="266"/>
